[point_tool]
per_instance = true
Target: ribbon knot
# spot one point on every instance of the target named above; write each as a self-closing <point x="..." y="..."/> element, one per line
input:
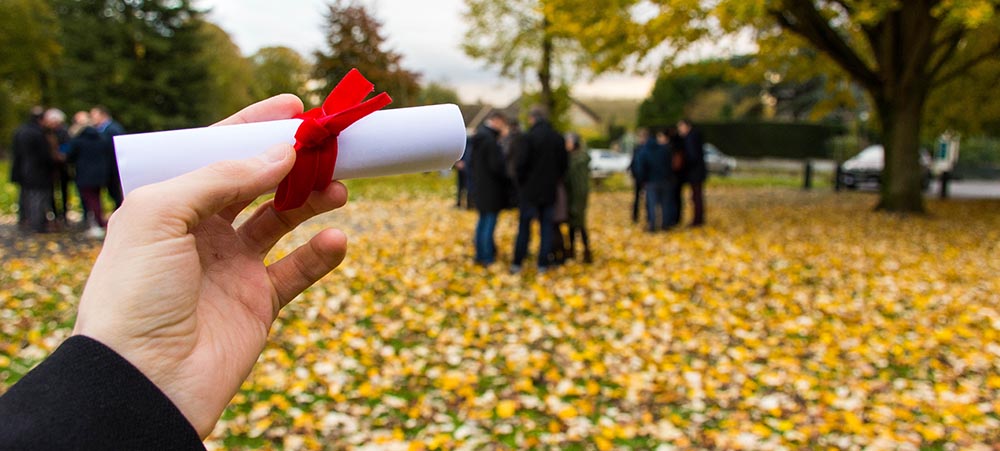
<point x="316" y="138"/>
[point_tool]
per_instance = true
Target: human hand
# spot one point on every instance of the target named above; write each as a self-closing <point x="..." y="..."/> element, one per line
<point x="184" y="295"/>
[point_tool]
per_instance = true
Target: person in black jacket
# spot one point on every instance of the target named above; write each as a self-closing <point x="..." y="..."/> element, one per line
<point x="489" y="177"/>
<point x="87" y="153"/>
<point x="176" y="310"/>
<point x="540" y="165"/>
<point x="109" y="128"/>
<point x="695" y="172"/>
<point x="33" y="168"/>
<point x="653" y="170"/>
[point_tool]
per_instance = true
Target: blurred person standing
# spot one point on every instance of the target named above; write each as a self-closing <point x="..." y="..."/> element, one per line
<point x="54" y="123"/>
<point x="578" y="190"/>
<point x="540" y="166"/>
<point x="462" y="177"/>
<point x="653" y="170"/>
<point x="695" y="172"/>
<point x="677" y="166"/>
<point x="32" y="169"/>
<point x="87" y="153"/>
<point x="641" y="140"/>
<point x="100" y="116"/>
<point x="81" y="120"/>
<point x="491" y="185"/>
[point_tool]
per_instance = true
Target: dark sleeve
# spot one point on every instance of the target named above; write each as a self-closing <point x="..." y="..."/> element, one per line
<point x="87" y="397"/>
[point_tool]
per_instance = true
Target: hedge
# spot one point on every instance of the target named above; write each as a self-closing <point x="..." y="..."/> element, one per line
<point x="771" y="139"/>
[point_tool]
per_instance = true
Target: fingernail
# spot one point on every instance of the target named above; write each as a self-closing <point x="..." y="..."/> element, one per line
<point x="275" y="154"/>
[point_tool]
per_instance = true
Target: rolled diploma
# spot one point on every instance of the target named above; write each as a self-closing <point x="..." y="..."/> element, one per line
<point x="387" y="142"/>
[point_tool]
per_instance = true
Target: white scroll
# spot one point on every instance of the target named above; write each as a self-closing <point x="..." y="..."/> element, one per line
<point x="387" y="142"/>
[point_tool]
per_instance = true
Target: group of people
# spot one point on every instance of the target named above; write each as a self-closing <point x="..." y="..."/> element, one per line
<point x="661" y="165"/>
<point x="48" y="154"/>
<point x="542" y="173"/>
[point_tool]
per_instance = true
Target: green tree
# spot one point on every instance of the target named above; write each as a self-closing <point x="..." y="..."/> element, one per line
<point x="354" y="40"/>
<point x="231" y="81"/>
<point x="899" y="52"/>
<point x="139" y="58"/>
<point x="435" y="93"/>
<point x="521" y="37"/>
<point x="279" y="70"/>
<point x="29" y="50"/>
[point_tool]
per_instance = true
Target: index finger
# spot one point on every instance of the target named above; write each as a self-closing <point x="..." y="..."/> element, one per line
<point x="282" y="106"/>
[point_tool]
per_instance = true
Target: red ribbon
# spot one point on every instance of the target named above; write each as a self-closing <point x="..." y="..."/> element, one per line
<point x="316" y="138"/>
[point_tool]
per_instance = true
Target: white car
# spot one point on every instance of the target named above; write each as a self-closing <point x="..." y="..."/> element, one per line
<point x="718" y="162"/>
<point x="865" y="168"/>
<point x="604" y="162"/>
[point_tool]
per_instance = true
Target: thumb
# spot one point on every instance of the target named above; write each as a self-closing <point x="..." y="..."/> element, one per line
<point x="193" y="197"/>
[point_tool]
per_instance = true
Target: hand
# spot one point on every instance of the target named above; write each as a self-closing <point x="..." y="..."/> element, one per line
<point x="184" y="295"/>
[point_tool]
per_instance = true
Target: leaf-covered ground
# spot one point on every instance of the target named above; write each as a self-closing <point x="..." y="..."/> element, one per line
<point x="793" y="321"/>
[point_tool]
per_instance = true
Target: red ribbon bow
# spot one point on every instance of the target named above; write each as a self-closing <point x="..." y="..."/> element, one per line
<point x="316" y="138"/>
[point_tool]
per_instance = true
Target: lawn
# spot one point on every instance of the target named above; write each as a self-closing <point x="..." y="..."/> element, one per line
<point x="795" y="320"/>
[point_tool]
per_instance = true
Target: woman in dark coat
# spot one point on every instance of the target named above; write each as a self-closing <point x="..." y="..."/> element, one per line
<point x="87" y="153"/>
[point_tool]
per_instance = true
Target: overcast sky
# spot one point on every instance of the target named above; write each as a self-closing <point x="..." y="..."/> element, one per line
<point x="427" y="33"/>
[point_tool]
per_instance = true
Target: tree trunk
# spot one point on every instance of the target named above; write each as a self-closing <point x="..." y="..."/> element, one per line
<point x="902" y="176"/>
<point x="545" y="69"/>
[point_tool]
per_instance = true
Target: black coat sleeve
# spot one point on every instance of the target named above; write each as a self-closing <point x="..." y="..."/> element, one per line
<point x="87" y="397"/>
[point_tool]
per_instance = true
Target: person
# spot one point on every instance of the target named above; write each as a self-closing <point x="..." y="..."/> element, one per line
<point x="176" y="310"/>
<point x="653" y="170"/>
<point x="641" y="140"/>
<point x="462" y="177"/>
<point x="32" y="169"/>
<point x="109" y="128"/>
<point x="81" y="120"/>
<point x="87" y="154"/>
<point x="578" y="190"/>
<point x="695" y="171"/>
<point x="54" y="123"/>
<point x="491" y="185"/>
<point x="540" y="164"/>
<point x="676" y="144"/>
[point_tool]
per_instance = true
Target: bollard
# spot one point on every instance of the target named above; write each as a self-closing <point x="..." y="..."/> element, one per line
<point x="807" y="177"/>
<point x="837" y="186"/>
<point x="945" y="179"/>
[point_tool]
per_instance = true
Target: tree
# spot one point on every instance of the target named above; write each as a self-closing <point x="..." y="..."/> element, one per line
<point x="231" y="82"/>
<point x="279" y="70"/>
<point x="435" y="93"/>
<point x="354" y="40"/>
<point x="519" y="36"/>
<point x="899" y="52"/>
<point x="28" y="31"/>
<point x="139" y="58"/>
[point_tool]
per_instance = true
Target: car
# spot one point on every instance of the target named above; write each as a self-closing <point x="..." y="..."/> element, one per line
<point x="604" y="162"/>
<point x="718" y="162"/>
<point x="865" y="168"/>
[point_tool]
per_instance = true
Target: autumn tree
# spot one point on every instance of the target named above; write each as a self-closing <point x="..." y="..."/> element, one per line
<point x="279" y="70"/>
<point x="899" y="52"/>
<point x="526" y="38"/>
<point x="435" y="93"/>
<point x="354" y="39"/>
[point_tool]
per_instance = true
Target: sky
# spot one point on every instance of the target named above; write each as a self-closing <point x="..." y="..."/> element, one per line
<point x="427" y="33"/>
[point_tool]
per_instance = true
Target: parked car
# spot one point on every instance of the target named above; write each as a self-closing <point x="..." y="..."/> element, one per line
<point x="604" y="162"/>
<point x="865" y="168"/>
<point x="718" y="162"/>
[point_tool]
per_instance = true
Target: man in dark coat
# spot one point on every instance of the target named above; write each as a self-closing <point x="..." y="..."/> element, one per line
<point x="33" y="168"/>
<point x="653" y="170"/>
<point x="695" y="172"/>
<point x="540" y="165"/>
<point x="491" y="184"/>
<point x="642" y="138"/>
<point x="109" y="128"/>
